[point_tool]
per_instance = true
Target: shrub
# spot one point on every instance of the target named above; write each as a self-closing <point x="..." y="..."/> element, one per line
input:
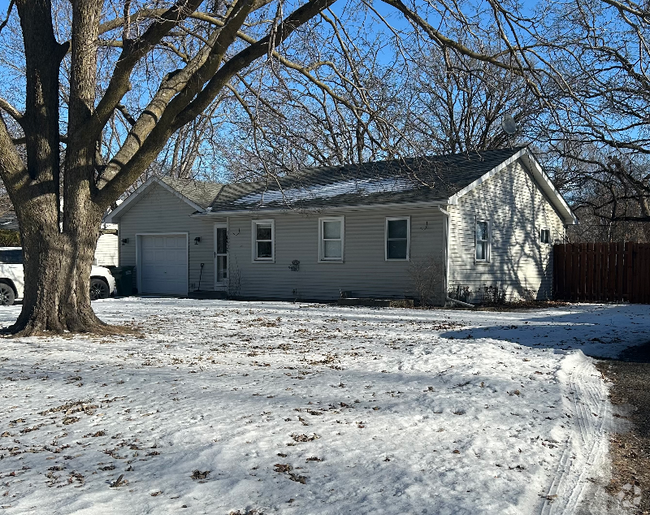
<point x="426" y="278"/>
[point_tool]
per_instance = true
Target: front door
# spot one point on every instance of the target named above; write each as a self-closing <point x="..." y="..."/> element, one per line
<point x="220" y="256"/>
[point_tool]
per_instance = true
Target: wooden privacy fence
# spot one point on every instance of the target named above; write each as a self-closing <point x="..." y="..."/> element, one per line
<point x="602" y="272"/>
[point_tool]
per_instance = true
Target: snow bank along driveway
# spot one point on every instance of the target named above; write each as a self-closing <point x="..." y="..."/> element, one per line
<point x="296" y="409"/>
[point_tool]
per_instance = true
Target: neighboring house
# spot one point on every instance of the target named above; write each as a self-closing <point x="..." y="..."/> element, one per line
<point x="106" y="252"/>
<point x="487" y="219"/>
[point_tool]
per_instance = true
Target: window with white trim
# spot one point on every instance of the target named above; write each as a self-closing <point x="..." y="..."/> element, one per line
<point x="398" y="236"/>
<point x="263" y="240"/>
<point x="330" y="239"/>
<point x="545" y="236"/>
<point x="482" y="236"/>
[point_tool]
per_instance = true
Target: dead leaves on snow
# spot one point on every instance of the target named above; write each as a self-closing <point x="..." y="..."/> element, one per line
<point x="72" y="407"/>
<point x="197" y="475"/>
<point x="120" y="481"/>
<point x="285" y="468"/>
<point x="304" y="438"/>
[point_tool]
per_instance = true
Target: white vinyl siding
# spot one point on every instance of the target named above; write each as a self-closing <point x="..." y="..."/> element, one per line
<point x="398" y="238"/>
<point x="159" y="211"/>
<point x="263" y="233"/>
<point x="331" y="239"/>
<point x="364" y="272"/>
<point x="515" y="208"/>
<point x="106" y="253"/>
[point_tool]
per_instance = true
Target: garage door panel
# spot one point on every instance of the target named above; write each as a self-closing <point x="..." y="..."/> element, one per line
<point x="164" y="264"/>
<point x="172" y="243"/>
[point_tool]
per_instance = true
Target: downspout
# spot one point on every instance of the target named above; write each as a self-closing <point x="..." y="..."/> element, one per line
<point x="446" y="279"/>
<point x="446" y="256"/>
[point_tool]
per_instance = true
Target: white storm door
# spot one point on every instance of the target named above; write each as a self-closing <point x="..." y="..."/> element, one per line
<point x="163" y="263"/>
<point x="220" y="256"/>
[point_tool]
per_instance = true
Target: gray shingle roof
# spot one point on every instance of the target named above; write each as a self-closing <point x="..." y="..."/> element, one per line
<point x="201" y="193"/>
<point x="398" y="181"/>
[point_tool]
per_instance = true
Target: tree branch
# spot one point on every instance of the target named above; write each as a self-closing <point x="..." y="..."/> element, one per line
<point x="131" y="55"/>
<point x="11" y="110"/>
<point x="194" y="99"/>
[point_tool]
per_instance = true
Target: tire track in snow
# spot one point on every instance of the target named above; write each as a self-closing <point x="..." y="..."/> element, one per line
<point x="585" y="397"/>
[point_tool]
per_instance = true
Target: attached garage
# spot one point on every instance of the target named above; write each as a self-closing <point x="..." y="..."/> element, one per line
<point x="162" y="263"/>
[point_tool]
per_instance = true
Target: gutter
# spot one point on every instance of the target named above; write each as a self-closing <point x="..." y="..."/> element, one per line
<point x="289" y="209"/>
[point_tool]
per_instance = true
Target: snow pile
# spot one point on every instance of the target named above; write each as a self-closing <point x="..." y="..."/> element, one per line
<point x="226" y="407"/>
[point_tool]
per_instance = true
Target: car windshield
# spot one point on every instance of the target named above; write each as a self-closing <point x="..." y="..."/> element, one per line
<point x="11" y="256"/>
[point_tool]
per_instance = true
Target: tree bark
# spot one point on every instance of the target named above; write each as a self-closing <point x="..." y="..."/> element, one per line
<point x="57" y="272"/>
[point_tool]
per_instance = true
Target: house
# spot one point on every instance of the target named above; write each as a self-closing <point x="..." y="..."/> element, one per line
<point x="487" y="220"/>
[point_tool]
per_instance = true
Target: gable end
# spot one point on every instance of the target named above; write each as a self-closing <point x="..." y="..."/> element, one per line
<point x="135" y="197"/>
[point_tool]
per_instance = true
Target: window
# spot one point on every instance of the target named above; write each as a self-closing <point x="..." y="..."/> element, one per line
<point x="221" y="255"/>
<point x="330" y="239"/>
<point x="263" y="240"/>
<point x="545" y="236"/>
<point x="482" y="240"/>
<point x="398" y="233"/>
<point x="11" y="257"/>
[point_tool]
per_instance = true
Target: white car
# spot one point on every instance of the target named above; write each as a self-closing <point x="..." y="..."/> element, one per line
<point x="12" y="278"/>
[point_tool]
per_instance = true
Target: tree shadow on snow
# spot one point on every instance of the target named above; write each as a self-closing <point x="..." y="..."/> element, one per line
<point x="598" y="330"/>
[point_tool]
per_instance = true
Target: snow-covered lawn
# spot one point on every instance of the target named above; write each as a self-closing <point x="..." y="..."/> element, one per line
<point x="299" y="408"/>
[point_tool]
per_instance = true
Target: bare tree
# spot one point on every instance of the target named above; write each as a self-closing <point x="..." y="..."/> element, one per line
<point x="109" y="85"/>
<point x="59" y="213"/>
<point x="405" y="99"/>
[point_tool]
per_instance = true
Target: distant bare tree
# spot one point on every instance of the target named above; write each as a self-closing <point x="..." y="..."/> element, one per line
<point x="371" y="100"/>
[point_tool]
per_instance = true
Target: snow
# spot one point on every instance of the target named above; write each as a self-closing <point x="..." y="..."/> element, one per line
<point x="306" y="408"/>
<point x="361" y="187"/>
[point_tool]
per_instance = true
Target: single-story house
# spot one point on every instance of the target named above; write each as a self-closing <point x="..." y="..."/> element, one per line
<point x="484" y="221"/>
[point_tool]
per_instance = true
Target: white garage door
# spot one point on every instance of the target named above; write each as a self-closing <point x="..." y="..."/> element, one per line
<point x="163" y="264"/>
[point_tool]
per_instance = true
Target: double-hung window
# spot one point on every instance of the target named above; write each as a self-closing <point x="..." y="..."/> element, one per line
<point x="263" y="240"/>
<point x="330" y="239"/>
<point x="482" y="241"/>
<point x="398" y="236"/>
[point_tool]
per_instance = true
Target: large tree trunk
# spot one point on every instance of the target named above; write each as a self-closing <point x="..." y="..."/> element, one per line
<point x="57" y="272"/>
<point x="58" y="250"/>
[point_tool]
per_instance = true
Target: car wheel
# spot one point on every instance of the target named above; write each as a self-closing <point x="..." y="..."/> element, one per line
<point x="98" y="289"/>
<point x="7" y="295"/>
